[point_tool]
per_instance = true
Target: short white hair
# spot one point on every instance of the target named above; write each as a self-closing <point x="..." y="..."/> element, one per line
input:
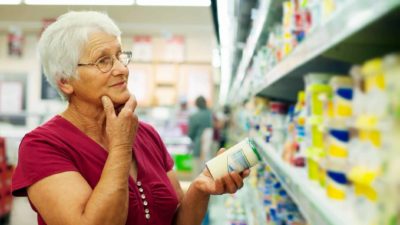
<point x="61" y="44"/>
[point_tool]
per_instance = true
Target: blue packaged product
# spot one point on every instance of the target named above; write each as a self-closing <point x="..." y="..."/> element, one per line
<point x="338" y="177"/>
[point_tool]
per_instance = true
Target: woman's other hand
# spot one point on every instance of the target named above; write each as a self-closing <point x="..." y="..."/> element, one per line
<point x="229" y="183"/>
<point x="120" y="128"/>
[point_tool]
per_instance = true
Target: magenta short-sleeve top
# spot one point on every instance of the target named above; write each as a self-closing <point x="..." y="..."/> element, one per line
<point x="58" y="146"/>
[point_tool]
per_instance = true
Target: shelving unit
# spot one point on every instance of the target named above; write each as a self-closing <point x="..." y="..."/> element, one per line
<point x="252" y="41"/>
<point x="252" y="203"/>
<point x="310" y="197"/>
<point x="356" y="32"/>
<point x="254" y="208"/>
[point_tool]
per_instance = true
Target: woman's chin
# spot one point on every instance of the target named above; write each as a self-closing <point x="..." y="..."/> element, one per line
<point x="120" y="99"/>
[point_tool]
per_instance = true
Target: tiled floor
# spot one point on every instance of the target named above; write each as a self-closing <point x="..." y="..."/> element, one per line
<point x="22" y="213"/>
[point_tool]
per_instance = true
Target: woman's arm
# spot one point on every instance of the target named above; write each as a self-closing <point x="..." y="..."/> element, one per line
<point x="193" y="205"/>
<point x="67" y="199"/>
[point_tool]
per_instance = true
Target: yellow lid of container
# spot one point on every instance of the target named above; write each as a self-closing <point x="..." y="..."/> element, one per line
<point x="372" y="67"/>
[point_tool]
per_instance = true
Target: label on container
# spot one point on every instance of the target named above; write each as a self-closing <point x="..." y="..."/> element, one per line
<point x="237" y="161"/>
<point x="239" y="157"/>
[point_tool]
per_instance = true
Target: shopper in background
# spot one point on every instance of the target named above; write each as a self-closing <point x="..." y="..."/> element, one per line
<point x="96" y="163"/>
<point x="221" y="121"/>
<point x="224" y="121"/>
<point x="200" y="131"/>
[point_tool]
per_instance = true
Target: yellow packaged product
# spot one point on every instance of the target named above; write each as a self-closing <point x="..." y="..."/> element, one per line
<point x="342" y="88"/>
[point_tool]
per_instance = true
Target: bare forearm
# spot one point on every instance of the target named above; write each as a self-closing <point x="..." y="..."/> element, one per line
<point x="108" y="203"/>
<point x="193" y="207"/>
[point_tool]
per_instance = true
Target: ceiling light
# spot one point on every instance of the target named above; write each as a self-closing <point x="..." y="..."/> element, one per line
<point x="227" y="37"/>
<point x="79" y="2"/>
<point x="10" y="2"/>
<point x="174" y="2"/>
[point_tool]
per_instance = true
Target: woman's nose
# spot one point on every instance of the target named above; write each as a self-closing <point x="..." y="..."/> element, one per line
<point x="119" y="68"/>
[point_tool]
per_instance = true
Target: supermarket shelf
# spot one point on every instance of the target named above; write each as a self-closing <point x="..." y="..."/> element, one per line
<point x="310" y="198"/>
<point x="252" y="41"/>
<point x="252" y="204"/>
<point x="349" y="21"/>
<point x="269" y="15"/>
<point x="217" y="210"/>
<point x="255" y="209"/>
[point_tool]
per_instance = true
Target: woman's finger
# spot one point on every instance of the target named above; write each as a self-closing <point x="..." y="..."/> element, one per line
<point x="108" y="106"/>
<point x="230" y="185"/>
<point x="237" y="179"/>
<point x="220" y="151"/>
<point x="245" y="173"/>
<point x="130" y="105"/>
<point x="218" y="187"/>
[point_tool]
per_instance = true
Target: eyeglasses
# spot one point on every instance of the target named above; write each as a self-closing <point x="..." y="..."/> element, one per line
<point x="106" y="63"/>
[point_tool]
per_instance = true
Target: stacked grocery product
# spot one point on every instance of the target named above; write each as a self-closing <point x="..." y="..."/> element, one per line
<point x="299" y="19"/>
<point x="374" y="149"/>
<point x="263" y="200"/>
<point x="317" y="93"/>
<point x="5" y="183"/>
<point x="344" y="130"/>
<point x="236" y="214"/>
<point x="278" y="205"/>
<point x="389" y="202"/>
<point x="241" y="208"/>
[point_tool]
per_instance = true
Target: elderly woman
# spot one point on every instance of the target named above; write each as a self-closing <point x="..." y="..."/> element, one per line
<point x="96" y="163"/>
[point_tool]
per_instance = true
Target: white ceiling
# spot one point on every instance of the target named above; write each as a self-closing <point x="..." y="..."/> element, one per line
<point x="131" y="19"/>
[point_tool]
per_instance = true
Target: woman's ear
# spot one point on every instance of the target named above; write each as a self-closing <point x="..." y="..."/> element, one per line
<point x="65" y="86"/>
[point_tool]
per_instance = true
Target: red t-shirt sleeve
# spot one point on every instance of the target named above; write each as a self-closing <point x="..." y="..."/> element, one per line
<point x="168" y="162"/>
<point x="39" y="157"/>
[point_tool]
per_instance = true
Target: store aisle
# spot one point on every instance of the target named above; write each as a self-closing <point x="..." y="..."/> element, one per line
<point x="22" y="213"/>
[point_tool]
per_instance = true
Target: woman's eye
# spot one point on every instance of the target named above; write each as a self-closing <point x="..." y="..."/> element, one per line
<point x="105" y="60"/>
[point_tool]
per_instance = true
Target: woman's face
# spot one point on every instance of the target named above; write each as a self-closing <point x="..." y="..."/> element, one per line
<point x="92" y="83"/>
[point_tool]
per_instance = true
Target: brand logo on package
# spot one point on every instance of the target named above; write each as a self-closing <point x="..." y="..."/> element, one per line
<point x="237" y="161"/>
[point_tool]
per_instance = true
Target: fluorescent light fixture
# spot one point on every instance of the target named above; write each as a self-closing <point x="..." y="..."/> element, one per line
<point x="225" y="9"/>
<point x="216" y="58"/>
<point x="174" y="2"/>
<point x="10" y="2"/>
<point x="79" y="2"/>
